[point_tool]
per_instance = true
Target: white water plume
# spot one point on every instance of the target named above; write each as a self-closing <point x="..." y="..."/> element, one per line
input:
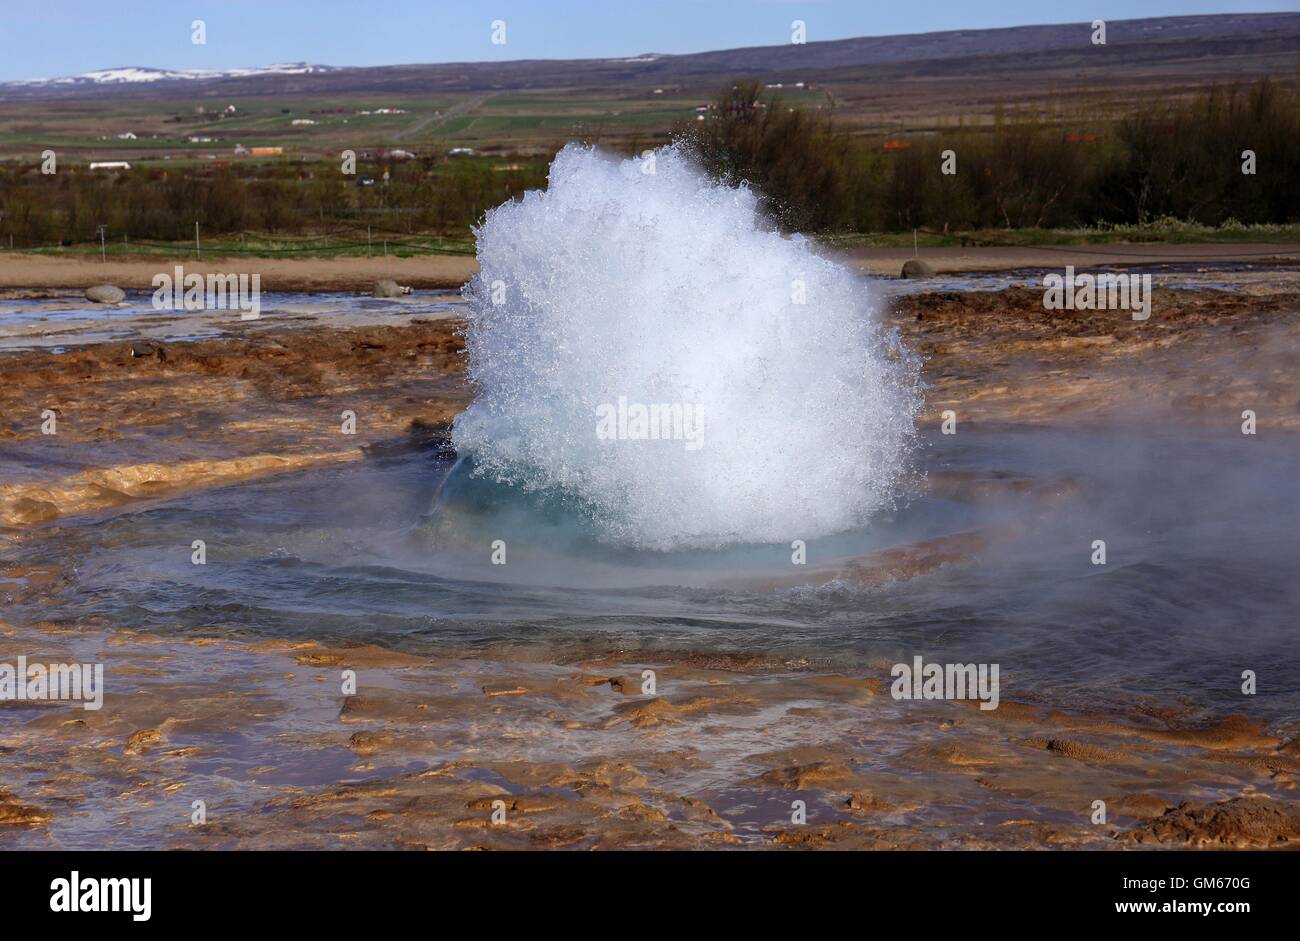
<point x="639" y="282"/>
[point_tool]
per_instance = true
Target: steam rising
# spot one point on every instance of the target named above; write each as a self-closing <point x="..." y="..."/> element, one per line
<point x="642" y="280"/>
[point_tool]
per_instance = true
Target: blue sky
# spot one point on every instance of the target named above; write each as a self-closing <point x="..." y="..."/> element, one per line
<point x="47" y="38"/>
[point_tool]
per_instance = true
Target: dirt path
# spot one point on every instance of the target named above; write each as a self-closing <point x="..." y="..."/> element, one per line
<point x="277" y="274"/>
<point x="456" y="110"/>
<point x="889" y="261"/>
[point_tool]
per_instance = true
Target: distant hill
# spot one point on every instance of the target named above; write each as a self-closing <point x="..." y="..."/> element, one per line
<point x="136" y="75"/>
<point x="1220" y="45"/>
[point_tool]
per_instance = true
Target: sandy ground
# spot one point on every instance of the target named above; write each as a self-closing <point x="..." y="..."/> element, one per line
<point x="451" y="271"/>
<point x="278" y="274"/>
<point x="889" y="261"/>
<point x="569" y="751"/>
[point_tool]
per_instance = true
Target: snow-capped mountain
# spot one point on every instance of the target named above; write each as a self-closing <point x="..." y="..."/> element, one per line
<point x="135" y="75"/>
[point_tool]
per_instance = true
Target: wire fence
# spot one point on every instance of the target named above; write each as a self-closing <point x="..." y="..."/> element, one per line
<point x="257" y="243"/>
<point x="354" y="242"/>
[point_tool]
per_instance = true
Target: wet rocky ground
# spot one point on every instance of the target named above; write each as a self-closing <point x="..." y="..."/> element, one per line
<point x="311" y="743"/>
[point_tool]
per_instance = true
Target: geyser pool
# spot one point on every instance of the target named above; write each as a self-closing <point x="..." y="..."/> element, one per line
<point x="642" y="342"/>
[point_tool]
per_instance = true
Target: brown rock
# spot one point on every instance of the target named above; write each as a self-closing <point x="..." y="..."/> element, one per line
<point x="1243" y="822"/>
<point x="140" y="742"/>
<point x="867" y="804"/>
<point x="105" y="294"/>
<point x="387" y="287"/>
<point x="820" y="775"/>
<point x="1140" y="805"/>
<point x="13" y="813"/>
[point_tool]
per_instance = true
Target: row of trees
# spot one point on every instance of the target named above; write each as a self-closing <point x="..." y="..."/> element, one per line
<point x="443" y="197"/>
<point x="1182" y="160"/>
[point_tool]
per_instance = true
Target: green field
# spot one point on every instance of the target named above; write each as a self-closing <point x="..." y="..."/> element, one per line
<point x="506" y="122"/>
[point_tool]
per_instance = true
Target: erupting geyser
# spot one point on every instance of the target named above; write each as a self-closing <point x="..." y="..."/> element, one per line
<point x="644" y="344"/>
